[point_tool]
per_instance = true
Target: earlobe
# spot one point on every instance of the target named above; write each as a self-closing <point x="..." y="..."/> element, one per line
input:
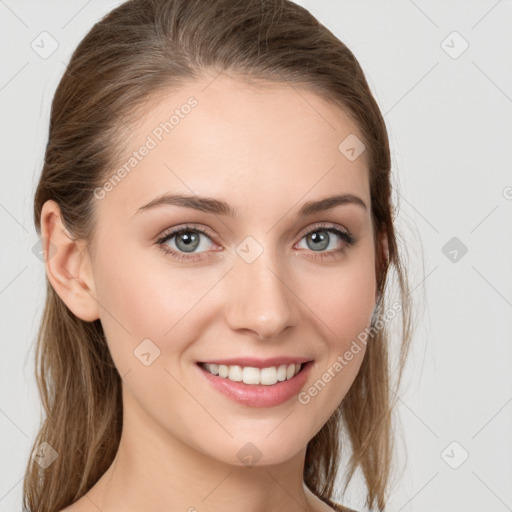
<point x="68" y="264"/>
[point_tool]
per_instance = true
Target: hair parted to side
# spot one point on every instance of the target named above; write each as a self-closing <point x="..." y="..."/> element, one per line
<point x="139" y="49"/>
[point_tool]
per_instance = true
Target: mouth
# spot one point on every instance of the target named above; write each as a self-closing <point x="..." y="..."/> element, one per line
<point x="257" y="386"/>
<point x="262" y="374"/>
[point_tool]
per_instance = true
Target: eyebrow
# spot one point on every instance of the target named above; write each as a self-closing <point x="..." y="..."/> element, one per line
<point x="217" y="207"/>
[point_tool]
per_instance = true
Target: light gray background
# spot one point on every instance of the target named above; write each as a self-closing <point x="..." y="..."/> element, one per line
<point x="449" y="118"/>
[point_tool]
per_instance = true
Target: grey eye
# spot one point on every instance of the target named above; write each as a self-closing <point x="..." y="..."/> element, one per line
<point x="187" y="241"/>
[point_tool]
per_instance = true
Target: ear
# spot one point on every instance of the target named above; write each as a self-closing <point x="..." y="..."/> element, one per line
<point x="68" y="264"/>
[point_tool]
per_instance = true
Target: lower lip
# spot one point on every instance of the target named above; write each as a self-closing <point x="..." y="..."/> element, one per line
<point x="259" y="395"/>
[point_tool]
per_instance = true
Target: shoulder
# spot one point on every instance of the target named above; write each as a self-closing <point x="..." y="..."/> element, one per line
<point x="77" y="506"/>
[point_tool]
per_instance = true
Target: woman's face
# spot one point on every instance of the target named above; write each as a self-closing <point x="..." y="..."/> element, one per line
<point x="263" y="281"/>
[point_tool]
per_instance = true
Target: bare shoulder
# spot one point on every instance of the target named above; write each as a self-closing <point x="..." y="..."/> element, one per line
<point x="80" y="505"/>
<point x="71" y="508"/>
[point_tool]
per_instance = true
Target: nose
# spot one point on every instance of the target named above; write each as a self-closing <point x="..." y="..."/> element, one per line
<point x="261" y="299"/>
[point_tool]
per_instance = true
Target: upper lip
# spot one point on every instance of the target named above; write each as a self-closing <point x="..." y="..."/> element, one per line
<point x="258" y="363"/>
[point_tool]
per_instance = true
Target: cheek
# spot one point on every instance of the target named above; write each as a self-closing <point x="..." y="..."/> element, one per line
<point x="142" y="298"/>
<point x="354" y="303"/>
<point x="140" y="301"/>
<point x="343" y="303"/>
<point x="344" y="299"/>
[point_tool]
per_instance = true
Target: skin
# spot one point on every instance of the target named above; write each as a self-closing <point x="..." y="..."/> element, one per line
<point x="265" y="150"/>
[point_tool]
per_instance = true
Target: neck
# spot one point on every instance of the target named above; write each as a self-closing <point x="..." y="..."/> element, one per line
<point x="153" y="470"/>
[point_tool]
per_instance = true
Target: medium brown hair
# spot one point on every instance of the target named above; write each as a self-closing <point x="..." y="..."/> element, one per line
<point x="139" y="49"/>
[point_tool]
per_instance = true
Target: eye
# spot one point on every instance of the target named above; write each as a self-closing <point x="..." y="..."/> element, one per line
<point x="185" y="240"/>
<point x="323" y="237"/>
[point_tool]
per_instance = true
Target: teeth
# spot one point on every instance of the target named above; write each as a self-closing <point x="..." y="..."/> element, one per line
<point x="250" y="375"/>
<point x="235" y="373"/>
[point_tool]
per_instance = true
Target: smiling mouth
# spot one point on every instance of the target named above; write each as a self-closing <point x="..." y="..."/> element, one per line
<point x="251" y="375"/>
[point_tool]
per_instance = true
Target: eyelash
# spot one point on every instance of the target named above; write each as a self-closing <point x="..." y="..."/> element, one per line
<point x="346" y="236"/>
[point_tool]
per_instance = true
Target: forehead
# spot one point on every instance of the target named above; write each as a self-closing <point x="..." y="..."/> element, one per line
<point x="261" y="143"/>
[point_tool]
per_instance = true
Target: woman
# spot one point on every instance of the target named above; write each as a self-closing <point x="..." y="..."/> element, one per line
<point x="215" y="207"/>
